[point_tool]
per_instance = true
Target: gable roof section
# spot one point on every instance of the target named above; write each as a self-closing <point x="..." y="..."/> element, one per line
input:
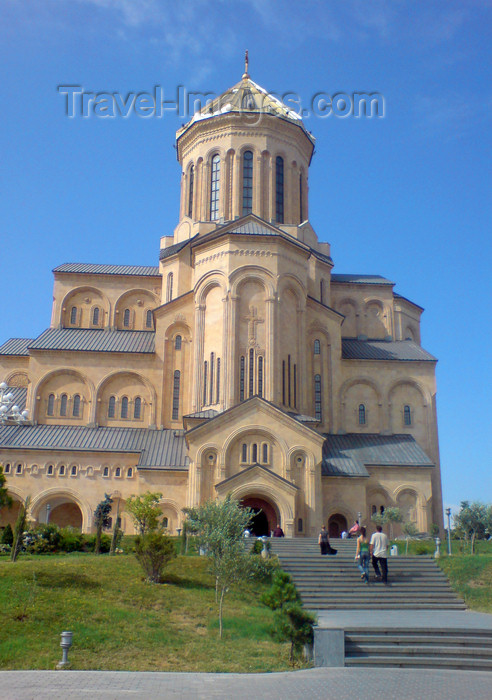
<point x="350" y="454"/>
<point x="97" y="269"/>
<point x="399" y="350"/>
<point x="15" y="346"/>
<point x="361" y="279"/>
<point x="94" y="340"/>
<point x="258" y="467"/>
<point x="173" y="249"/>
<point x="159" y="449"/>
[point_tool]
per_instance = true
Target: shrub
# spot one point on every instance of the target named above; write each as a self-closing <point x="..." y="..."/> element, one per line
<point x="7" y="535"/>
<point x="71" y="540"/>
<point x="89" y="543"/>
<point x="257" y="548"/>
<point x="44" y="539"/>
<point x="281" y="592"/>
<point x="422" y="548"/>
<point x="153" y="551"/>
<point x="294" y="624"/>
<point x="264" y="569"/>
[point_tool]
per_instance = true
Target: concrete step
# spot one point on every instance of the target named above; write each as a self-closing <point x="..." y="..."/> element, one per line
<point x="463" y="663"/>
<point x="382" y="605"/>
<point x="442" y="638"/>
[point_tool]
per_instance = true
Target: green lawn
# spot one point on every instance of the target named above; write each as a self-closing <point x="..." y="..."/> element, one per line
<point x="121" y="622"/>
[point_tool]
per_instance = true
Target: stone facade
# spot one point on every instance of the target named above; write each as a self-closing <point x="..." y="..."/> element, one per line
<point x="242" y="346"/>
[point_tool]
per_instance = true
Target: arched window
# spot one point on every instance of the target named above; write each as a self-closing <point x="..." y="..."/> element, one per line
<point x="169" y="291"/>
<point x="124" y="407"/>
<point x="317" y="347"/>
<point x="247" y="182"/>
<point x="118" y="471"/>
<point x="217" y="396"/>
<point x="191" y="184"/>
<point x="301" y="213"/>
<point x="63" y="405"/>
<point x="205" y="382"/>
<point x="137" y="407"/>
<point x="95" y="316"/>
<point x="317" y="397"/>
<point x="112" y="407"/>
<point x="260" y="375"/>
<point x="254" y="453"/>
<point x="165" y="522"/>
<point x="279" y="190"/>
<point x="61" y="471"/>
<point x="18" y="469"/>
<point x="241" y="378"/>
<point x="373" y="510"/>
<point x="76" y="406"/>
<point x="177" y="379"/>
<point x="381" y="509"/>
<point x="126" y="318"/>
<point x="7" y="469"/>
<point x="407" y="415"/>
<point x="244" y="453"/>
<point x="50" y="470"/>
<point x="129" y="472"/>
<point x="362" y="414"/>
<point x="73" y="471"/>
<point x="73" y="315"/>
<point x="264" y="456"/>
<point x="215" y="188"/>
<point x="148" y="319"/>
<point x="177" y="342"/>
<point x="51" y="405"/>
<point x="106" y="471"/>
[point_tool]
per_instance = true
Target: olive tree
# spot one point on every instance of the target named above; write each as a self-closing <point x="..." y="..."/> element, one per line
<point x="145" y="511"/>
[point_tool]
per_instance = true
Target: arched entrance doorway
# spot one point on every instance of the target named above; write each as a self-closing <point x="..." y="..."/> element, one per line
<point x="265" y="516"/>
<point x="336" y="525"/>
<point x="60" y="510"/>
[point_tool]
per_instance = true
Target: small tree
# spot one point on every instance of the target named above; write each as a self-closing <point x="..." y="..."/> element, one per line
<point x="392" y="515"/>
<point x="378" y="519"/>
<point x="281" y="591"/>
<point x="7" y="535"/>
<point x="472" y="522"/>
<point x="154" y="550"/>
<point x="20" y="526"/>
<point x="409" y="530"/>
<point x="101" y="519"/>
<point x="145" y="511"/>
<point x="5" y="499"/>
<point x="294" y="624"/>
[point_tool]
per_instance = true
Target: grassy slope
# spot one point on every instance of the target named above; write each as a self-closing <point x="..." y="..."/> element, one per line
<point x="121" y="622"/>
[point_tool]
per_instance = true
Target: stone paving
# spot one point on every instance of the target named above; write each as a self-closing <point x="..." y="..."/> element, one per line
<point x="315" y="684"/>
<point x="404" y="619"/>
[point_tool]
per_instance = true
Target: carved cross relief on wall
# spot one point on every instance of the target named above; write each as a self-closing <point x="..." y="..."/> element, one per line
<point x="253" y="321"/>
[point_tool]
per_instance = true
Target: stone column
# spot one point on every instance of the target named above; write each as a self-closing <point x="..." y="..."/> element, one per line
<point x="269" y="374"/>
<point x="302" y="363"/>
<point x="257" y="184"/>
<point x="227" y="342"/>
<point x="198" y="358"/>
<point x="236" y="179"/>
<point x="205" y="188"/>
<point x="232" y="370"/>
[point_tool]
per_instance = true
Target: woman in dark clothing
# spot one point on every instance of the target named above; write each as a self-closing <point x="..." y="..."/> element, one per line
<point x="323" y="541"/>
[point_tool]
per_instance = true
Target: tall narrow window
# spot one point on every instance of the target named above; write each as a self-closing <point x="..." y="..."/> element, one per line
<point x="73" y="315"/>
<point x="137" y="408"/>
<point x="251" y="372"/>
<point x="212" y="372"/>
<point x="169" y="291"/>
<point x="148" y="319"/>
<point x="283" y="382"/>
<point x="177" y="342"/>
<point x="124" y="407"/>
<point x="279" y="190"/>
<point x="301" y="213"/>
<point x="95" y="316"/>
<point x="254" y="453"/>
<point x="61" y="471"/>
<point x="51" y="405"/>
<point x="241" y="378"/>
<point x="362" y="414"/>
<point x="264" y="457"/>
<point x="295" y="385"/>
<point x="191" y="185"/>
<point x="322" y="291"/>
<point x="244" y="453"/>
<point x="260" y="376"/>
<point x="407" y="415"/>
<point x="177" y="379"/>
<point x="217" y="387"/>
<point x="126" y="318"/>
<point x="205" y="380"/>
<point x="215" y="188"/>
<point x="63" y="405"/>
<point x="247" y="183"/>
<point x="112" y="407"/>
<point x="317" y="397"/>
<point x="76" y="406"/>
<point x="317" y="347"/>
<point x="288" y="381"/>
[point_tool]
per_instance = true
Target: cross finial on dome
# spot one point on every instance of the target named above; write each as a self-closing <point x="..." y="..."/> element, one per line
<point x="246" y="65"/>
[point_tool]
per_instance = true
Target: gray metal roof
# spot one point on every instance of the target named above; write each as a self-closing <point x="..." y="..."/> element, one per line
<point x="20" y="395"/>
<point x="207" y="413"/>
<point x="401" y="350"/>
<point x="159" y="449"/>
<point x="173" y="249"/>
<point x="94" y="340"/>
<point x="15" y="346"/>
<point x="256" y="228"/>
<point x="349" y="455"/>
<point x="97" y="269"/>
<point x="361" y="279"/>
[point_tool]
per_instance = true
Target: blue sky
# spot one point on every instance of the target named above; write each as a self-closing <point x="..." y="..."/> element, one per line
<point x="407" y="196"/>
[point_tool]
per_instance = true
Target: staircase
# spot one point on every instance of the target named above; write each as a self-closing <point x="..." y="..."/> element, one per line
<point x="333" y="582"/>
<point x="386" y="632"/>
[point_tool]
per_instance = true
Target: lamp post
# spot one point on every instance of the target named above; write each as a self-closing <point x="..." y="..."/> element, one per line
<point x="9" y="411"/>
<point x="448" y="513"/>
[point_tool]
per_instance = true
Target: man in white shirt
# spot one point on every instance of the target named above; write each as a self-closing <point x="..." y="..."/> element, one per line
<point x="378" y="548"/>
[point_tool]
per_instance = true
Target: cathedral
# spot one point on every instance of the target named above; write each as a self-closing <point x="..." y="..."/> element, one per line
<point x="240" y="364"/>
